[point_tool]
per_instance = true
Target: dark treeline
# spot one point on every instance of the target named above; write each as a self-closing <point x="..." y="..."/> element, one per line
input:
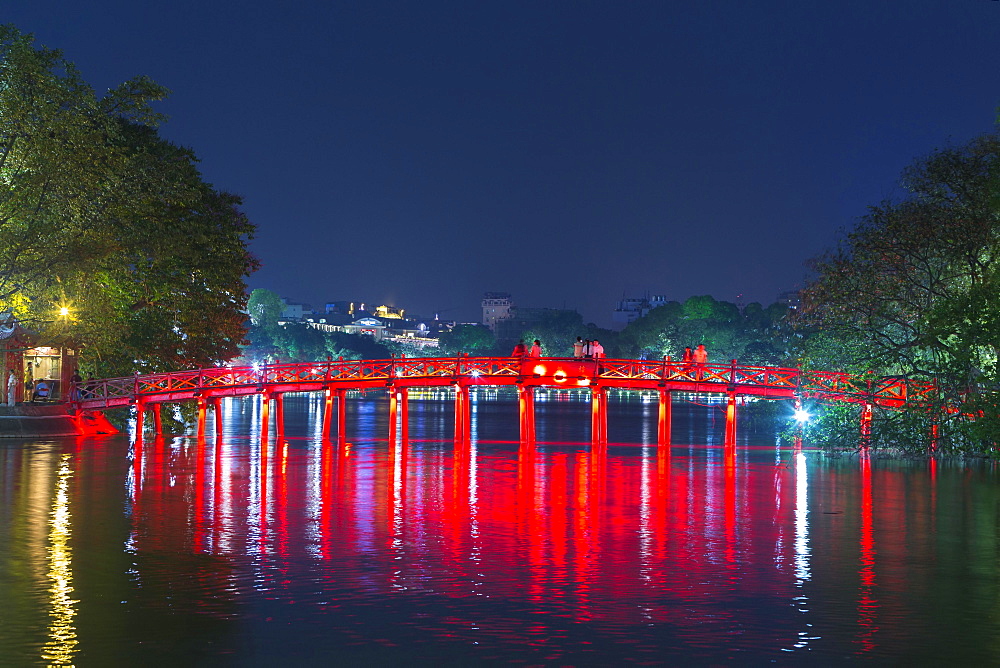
<point x="914" y="291"/>
<point x="752" y="334"/>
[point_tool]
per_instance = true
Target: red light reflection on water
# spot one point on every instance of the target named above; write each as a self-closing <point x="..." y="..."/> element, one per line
<point x="569" y="525"/>
<point x="867" y="603"/>
<point x="622" y="539"/>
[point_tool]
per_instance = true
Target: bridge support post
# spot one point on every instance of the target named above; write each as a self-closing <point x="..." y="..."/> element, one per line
<point x="157" y="419"/>
<point x="599" y="416"/>
<point x="279" y="415"/>
<point x="217" y="412"/>
<point x="404" y="409"/>
<point x="341" y="418"/>
<point x="462" y="414"/>
<point x="665" y="419"/>
<point x="393" y="415"/>
<point x="265" y="418"/>
<point x="730" y="441"/>
<point x="866" y="425"/>
<point x="526" y="409"/>
<point x="202" y="415"/>
<point x="140" y="413"/>
<point x="327" y="413"/>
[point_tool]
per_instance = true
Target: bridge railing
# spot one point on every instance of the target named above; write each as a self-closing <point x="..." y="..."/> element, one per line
<point x="885" y="391"/>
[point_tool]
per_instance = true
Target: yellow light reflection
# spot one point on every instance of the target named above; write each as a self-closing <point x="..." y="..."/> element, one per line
<point x="61" y="646"/>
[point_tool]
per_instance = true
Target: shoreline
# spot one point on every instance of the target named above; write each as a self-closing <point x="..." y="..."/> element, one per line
<point x="27" y="420"/>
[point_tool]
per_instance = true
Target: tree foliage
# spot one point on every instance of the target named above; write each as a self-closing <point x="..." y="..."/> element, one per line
<point x="100" y="215"/>
<point x="471" y="339"/>
<point x="914" y="289"/>
<point x="300" y="342"/>
<point x="755" y="336"/>
<point x="264" y="308"/>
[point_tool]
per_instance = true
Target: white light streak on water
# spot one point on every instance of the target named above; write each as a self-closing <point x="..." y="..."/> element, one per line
<point x="62" y="642"/>
<point x="802" y="551"/>
<point x="802" y="572"/>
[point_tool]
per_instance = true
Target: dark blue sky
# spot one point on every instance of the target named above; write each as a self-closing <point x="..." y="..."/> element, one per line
<point x="421" y="153"/>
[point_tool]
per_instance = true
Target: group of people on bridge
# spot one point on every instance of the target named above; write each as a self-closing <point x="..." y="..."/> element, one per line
<point x="587" y="349"/>
<point x="698" y="356"/>
<point x="582" y="350"/>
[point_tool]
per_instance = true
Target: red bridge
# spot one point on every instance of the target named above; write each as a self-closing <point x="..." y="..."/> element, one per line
<point x="397" y="376"/>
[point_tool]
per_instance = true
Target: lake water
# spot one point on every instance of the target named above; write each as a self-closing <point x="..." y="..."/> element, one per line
<point x="193" y="553"/>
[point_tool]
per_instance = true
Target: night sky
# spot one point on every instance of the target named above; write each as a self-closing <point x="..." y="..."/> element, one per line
<point x="422" y="153"/>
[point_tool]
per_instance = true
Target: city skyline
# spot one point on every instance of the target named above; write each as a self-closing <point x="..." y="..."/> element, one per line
<point x="424" y="155"/>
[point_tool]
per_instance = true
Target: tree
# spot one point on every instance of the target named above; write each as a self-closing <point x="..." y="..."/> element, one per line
<point x="755" y="337"/>
<point x="914" y="286"/>
<point x="101" y="216"/>
<point x="264" y="308"/>
<point x="62" y="162"/>
<point x="471" y="339"/>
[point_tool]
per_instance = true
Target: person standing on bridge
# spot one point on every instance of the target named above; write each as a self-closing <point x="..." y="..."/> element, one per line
<point x="700" y="357"/>
<point x="75" y="386"/>
<point x="520" y="350"/>
<point x="578" y="349"/>
<point x="536" y="349"/>
<point x="597" y="352"/>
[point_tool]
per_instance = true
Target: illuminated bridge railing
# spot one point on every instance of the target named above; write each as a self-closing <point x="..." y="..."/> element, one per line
<point x="765" y="381"/>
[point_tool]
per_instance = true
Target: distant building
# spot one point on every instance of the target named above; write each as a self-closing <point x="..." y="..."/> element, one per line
<point x="294" y="311"/>
<point x="789" y="298"/>
<point x="386" y="328"/>
<point x="390" y="312"/>
<point x="339" y="308"/>
<point x="630" y="309"/>
<point x="496" y="308"/>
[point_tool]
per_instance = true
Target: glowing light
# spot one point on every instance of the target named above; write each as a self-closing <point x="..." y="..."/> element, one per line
<point x="583" y="382"/>
<point x="540" y="369"/>
<point x="801" y="415"/>
<point x="256" y="366"/>
<point x="63" y="310"/>
<point x="475" y="373"/>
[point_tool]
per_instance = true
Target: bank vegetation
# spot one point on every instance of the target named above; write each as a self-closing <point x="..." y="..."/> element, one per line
<point x="109" y="236"/>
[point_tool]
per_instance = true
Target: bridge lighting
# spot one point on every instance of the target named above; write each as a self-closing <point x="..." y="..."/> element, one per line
<point x="583" y="382"/>
<point x="539" y="369"/>
<point x="256" y="367"/>
<point x="801" y="415"/>
<point x="559" y="376"/>
<point x="475" y="373"/>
